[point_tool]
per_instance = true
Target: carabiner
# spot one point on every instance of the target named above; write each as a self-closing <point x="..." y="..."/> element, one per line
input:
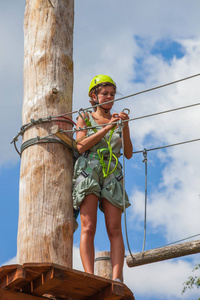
<point x="126" y="109"/>
<point x="79" y="112"/>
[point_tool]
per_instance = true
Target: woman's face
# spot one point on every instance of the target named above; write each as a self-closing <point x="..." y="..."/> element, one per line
<point x="106" y="94"/>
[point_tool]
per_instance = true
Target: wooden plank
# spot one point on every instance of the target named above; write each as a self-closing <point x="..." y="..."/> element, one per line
<point x="56" y="130"/>
<point x="47" y="281"/>
<point x="14" y="278"/>
<point x="11" y="295"/>
<point x="75" y="294"/>
<point x="164" y="253"/>
<point x="48" y="278"/>
<point x="73" y="282"/>
<point x="81" y="286"/>
<point x="113" y="291"/>
<point x="40" y="268"/>
<point x="7" y="268"/>
<point x="71" y="275"/>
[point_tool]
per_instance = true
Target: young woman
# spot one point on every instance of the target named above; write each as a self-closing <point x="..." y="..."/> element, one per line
<point x="98" y="175"/>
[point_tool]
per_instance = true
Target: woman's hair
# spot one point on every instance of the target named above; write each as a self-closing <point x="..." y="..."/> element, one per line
<point x="96" y="90"/>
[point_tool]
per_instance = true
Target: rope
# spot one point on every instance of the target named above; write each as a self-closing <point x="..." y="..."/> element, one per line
<point x="124" y="200"/>
<point x="145" y="209"/>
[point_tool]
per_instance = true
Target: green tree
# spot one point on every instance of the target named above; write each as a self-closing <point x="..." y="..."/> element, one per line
<point x="194" y="281"/>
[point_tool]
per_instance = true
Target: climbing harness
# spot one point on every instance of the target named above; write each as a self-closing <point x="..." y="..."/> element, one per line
<point x="103" y="151"/>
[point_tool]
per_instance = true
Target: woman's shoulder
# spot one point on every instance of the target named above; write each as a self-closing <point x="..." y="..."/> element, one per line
<point x="84" y="115"/>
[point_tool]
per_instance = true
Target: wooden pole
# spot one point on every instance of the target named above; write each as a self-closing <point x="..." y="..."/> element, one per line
<point x="159" y="254"/>
<point x="103" y="265"/>
<point x="45" y="228"/>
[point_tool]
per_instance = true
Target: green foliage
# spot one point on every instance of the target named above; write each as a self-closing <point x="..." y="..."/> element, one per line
<point x="194" y="281"/>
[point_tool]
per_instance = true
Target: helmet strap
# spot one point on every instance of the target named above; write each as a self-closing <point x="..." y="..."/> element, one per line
<point x="97" y="102"/>
<point x="105" y="109"/>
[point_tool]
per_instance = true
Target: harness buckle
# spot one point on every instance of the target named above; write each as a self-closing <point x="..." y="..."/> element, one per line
<point x="84" y="173"/>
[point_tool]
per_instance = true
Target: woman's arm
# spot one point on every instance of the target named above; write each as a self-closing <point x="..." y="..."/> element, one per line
<point x="128" y="147"/>
<point x="85" y="143"/>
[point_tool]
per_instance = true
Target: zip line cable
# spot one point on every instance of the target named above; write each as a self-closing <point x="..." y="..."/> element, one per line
<point x="137" y="118"/>
<point x="157" y="87"/>
<point x="167" y="146"/>
<point x="138" y="93"/>
<point x="163" y="112"/>
<point x="189" y="237"/>
<point x="50" y="118"/>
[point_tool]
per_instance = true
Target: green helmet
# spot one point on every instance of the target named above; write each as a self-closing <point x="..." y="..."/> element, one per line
<point x="100" y="79"/>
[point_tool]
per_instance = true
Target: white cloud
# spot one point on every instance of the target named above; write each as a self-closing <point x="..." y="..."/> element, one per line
<point x="77" y="264"/>
<point x="174" y="203"/>
<point x="11" y="261"/>
<point x="163" y="280"/>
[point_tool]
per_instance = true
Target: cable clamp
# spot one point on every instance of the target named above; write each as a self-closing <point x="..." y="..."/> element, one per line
<point x="79" y="112"/>
<point x="33" y="121"/>
<point x="145" y="155"/>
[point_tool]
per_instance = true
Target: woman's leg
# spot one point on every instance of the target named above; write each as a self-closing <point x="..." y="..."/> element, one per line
<point x="113" y="226"/>
<point x="88" y="213"/>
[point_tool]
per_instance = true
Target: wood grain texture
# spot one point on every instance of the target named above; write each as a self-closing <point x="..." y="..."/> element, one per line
<point x="45" y="228"/>
<point x="40" y="279"/>
<point x="160" y="254"/>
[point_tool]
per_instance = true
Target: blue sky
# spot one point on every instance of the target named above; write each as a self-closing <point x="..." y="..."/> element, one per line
<point x="141" y="44"/>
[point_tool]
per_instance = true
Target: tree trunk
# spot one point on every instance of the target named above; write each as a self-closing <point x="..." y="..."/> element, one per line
<point x="45" y="228"/>
<point x="164" y="253"/>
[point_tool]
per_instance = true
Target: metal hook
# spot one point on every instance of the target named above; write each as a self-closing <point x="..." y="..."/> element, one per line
<point x="126" y="109"/>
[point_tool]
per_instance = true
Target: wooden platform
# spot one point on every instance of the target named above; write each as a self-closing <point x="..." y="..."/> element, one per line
<point x="33" y="281"/>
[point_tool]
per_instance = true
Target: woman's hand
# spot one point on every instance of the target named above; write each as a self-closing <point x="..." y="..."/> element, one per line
<point x="114" y="119"/>
<point x="128" y="148"/>
<point x="124" y="116"/>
